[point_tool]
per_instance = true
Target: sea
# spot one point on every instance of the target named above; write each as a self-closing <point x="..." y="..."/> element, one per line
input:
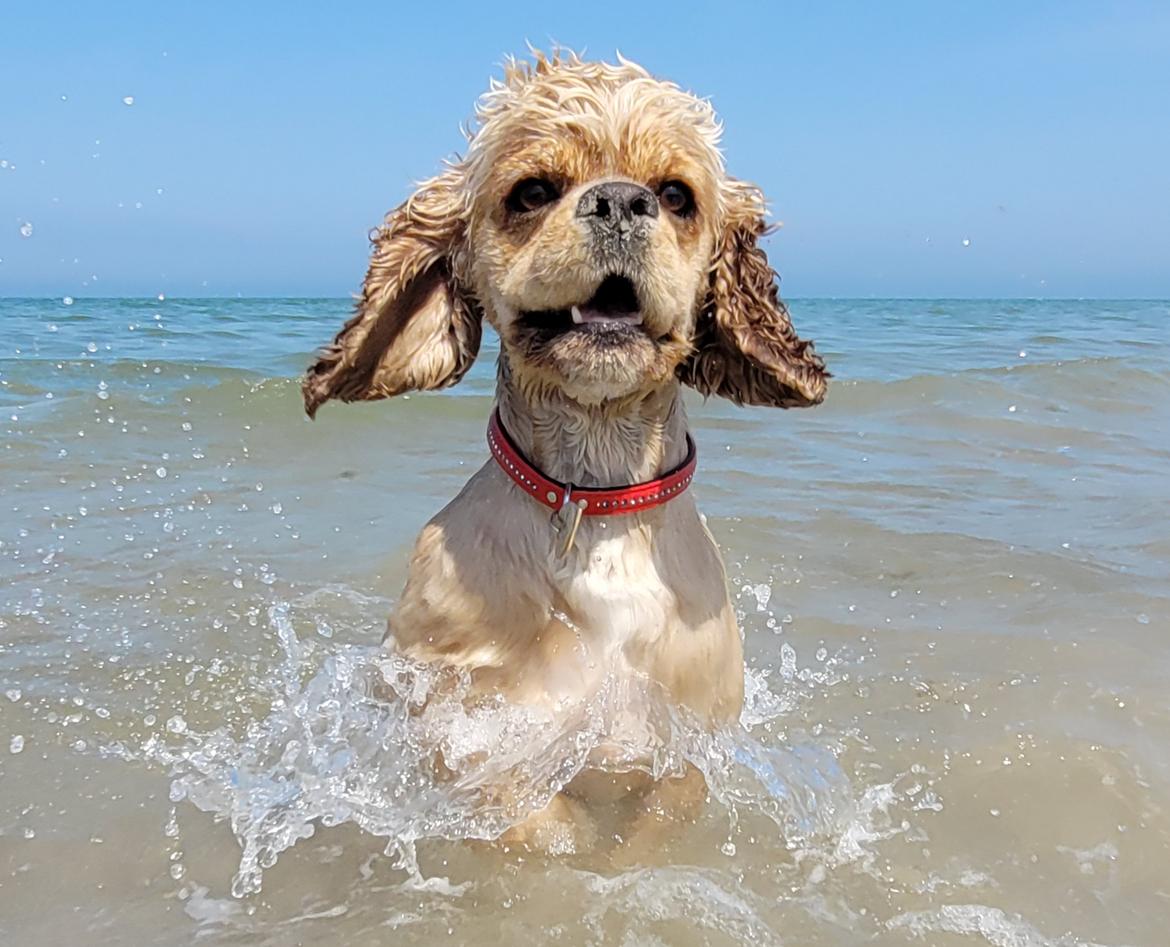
<point x="952" y="579"/>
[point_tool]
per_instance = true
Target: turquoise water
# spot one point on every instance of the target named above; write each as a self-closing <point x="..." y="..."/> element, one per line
<point x="952" y="580"/>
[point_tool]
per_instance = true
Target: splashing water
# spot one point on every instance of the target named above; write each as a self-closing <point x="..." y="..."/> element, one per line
<point x="357" y="734"/>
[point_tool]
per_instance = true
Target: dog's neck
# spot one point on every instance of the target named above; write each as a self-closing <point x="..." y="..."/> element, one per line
<point x="614" y="443"/>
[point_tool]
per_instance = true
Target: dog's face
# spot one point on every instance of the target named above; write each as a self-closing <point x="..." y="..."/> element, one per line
<point x="594" y="206"/>
<point x="593" y="224"/>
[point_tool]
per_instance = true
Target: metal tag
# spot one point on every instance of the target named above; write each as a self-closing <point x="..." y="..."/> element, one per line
<point x="567" y="519"/>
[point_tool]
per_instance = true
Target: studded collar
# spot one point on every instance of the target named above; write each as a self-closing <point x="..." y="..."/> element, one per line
<point x="589" y="501"/>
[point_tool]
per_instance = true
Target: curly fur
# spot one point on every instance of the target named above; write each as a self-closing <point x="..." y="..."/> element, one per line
<point x="642" y="596"/>
<point x="560" y="112"/>
<point x="745" y="346"/>
<point x="415" y="327"/>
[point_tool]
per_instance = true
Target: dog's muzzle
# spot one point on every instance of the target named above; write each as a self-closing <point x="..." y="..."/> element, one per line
<point x="618" y="215"/>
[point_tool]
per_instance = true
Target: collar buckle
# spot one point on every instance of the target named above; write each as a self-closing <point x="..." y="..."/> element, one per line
<point x="567" y="519"/>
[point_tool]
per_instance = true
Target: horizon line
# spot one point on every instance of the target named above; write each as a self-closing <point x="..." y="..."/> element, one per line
<point x="805" y="298"/>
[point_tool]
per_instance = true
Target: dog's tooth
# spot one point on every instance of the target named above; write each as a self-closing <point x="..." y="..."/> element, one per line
<point x="577" y="317"/>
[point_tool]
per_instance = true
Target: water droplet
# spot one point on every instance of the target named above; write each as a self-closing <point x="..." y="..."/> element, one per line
<point x="16" y="744"/>
<point x="966" y="242"/>
<point x="787" y="661"/>
<point x="177" y="724"/>
<point x="161" y="473"/>
<point x="26" y="229"/>
<point x="127" y="100"/>
<point x="1011" y="409"/>
<point x="13" y="694"/>
<point x="277" y="509"/>
<point x="1143" y="619"/>
<point x="161" y="298"/>
<point x="68" y="300"/>
<point x="91" y="347"/>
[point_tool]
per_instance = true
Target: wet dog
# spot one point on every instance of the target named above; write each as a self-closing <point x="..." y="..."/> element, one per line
<point x="593" y="225"/>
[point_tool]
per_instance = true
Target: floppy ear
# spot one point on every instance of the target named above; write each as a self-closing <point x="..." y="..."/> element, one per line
<point x="415" y="327"/>
<point x="745" y="346"/>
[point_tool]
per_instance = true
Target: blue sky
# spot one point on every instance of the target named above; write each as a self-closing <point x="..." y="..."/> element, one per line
<point x="264" y="139"/>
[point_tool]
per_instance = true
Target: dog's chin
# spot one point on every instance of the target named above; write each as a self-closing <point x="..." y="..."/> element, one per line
<point x="601" y="364"/>
<point x="595" y="350"/>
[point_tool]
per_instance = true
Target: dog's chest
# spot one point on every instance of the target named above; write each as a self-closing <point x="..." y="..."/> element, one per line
<point x="616" y="597"/>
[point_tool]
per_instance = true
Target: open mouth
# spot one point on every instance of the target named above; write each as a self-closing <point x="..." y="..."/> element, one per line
<point x="613" y="307"/>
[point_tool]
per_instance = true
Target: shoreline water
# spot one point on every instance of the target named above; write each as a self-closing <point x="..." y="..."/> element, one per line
<point x="952" y="580"/>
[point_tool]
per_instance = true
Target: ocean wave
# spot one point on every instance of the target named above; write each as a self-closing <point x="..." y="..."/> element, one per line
<point x="1091" y="382"/>
<point x="991" y="925"/>
<point x="1102" y="382"/>
<point x="195" y="385"/>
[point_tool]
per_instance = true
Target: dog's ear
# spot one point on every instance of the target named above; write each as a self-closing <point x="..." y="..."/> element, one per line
<point x="416" y="327"/>
<point x="745" y="346"/>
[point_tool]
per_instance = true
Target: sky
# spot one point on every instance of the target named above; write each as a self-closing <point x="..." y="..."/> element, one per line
<point x="908" y="149"/>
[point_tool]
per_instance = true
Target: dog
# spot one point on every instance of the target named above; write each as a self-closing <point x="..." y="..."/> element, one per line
<point x="592" y="224"/>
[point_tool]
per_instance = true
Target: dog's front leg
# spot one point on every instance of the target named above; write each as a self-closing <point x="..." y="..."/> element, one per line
<point x="563" y="827"/>
<point x="668" y="806"/>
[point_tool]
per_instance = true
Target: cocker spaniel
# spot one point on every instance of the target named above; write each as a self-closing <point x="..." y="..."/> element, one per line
<point x="592" y="224"/>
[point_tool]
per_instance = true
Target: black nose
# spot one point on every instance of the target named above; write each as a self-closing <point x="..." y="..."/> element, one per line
<point x="613" y="203"/>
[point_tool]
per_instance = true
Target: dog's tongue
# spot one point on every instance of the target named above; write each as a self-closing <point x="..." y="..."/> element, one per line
<point x="614" y="301"/>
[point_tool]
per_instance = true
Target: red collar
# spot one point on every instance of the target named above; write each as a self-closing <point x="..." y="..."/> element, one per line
<point x="591" y="501"/>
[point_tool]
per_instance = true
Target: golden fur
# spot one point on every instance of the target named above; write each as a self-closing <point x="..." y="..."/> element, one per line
<point x="642" y="595"/>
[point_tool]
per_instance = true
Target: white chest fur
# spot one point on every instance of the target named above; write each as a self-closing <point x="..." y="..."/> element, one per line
<point x="614" y="594"/>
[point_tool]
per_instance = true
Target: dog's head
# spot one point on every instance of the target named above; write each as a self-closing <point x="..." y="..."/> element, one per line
<point x="593" y="224"/>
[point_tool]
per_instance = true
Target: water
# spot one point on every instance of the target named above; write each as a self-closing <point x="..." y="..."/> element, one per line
<point x="952" y="580"/>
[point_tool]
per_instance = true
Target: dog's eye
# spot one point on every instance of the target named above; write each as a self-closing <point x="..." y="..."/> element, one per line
<point x="532" y="194"/>
<point x="677" y="198"/>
